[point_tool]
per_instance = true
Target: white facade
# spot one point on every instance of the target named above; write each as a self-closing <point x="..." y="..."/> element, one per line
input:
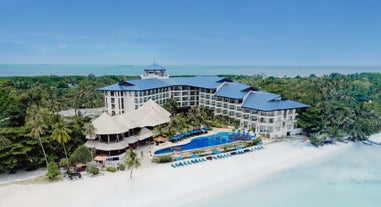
<point x="275" y="123"/>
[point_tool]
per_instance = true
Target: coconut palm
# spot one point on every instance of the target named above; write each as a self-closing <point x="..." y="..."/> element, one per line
<point x="4" y="141"/>
<point x="61" y="135"/>
<point x="132" y="161"/>
<point x="36" y="120"/>
<point x="89" y="129"/>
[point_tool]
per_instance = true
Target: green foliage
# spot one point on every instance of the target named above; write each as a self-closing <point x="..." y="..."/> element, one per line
<point x="171" y="105"/>
<point x="111" y="169"/>
<point x="340" y="105"/>
<point x="132" y="161"/>
<point x="63" y="162"/>
<point x="53" y="170"/>
<point x="81" y="154"/>
<point x="122" y="167"/>
<point x="93" y="170"/>
<point x="162" y="159"/>
<point x="253" y="142"/>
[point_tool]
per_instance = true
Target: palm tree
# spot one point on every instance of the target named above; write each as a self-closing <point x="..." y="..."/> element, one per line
<point x="89" y="129"/>
<point x="36" y="120"/>
<point x="4" y="141"/>
<point x="61" y="135"/>
<point x="132" y="161"/>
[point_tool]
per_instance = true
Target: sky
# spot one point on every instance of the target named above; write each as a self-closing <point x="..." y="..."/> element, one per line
<point x="191" y="32"/>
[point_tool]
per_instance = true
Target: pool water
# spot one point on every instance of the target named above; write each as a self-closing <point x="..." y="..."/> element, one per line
<point x="201" y="142"/>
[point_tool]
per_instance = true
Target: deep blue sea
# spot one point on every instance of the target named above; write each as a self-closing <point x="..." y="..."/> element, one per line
<point x="351" y="178"/>
<point x="133" y="70"/>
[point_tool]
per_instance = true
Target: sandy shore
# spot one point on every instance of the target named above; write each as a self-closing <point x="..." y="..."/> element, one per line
<point x="376" y="137"/>
<point x="161" y="185"/>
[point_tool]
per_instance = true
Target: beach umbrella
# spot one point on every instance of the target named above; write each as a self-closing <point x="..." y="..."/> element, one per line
<point x="216" y="152"/>
<point x="194" y="156"/>
<point x="238" y="148"/>
<point x="160" y="139"/>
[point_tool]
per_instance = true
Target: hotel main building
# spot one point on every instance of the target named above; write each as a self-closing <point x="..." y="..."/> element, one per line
<point x="265" y="112"/>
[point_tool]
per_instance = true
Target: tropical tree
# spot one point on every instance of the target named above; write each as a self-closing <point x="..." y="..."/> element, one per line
<point x="4" y="141"/>
<point x="52" y="170"/>
<point x="61" y="135"/>
<point x="132" y="161"/>
<point x="89" y="129"/>
<point x="171" y="106"/>
<point x="81" y="154"/>
<point x="36" y="120"/>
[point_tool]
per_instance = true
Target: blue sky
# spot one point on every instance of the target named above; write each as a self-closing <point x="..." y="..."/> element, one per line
<point x="219" y="32"/>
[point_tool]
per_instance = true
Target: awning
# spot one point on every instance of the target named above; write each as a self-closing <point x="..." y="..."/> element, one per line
<point x="160" y="139"/>
<point x="100" y="158"/>
<point x="81" y="164"/>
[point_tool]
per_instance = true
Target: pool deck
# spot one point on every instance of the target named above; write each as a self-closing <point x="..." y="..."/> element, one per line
<point x="187" y="140"/>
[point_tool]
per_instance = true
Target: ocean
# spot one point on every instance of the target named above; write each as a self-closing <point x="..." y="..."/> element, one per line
<point x="134" y="70"/>
<point x="348" y="178"/>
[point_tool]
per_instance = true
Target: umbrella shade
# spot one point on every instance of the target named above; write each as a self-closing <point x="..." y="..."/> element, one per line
<point x="178" y="158"/>
<point x="160" y="139"/>
<point x="194" y="156"/>
<point x="216" y="151"/>
<point x="238" y="147"/>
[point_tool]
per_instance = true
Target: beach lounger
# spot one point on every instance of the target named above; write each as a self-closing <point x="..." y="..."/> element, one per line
<point x="173" y="165"/>
<point x="189" y="162"/>
<point x="204" y="159"/>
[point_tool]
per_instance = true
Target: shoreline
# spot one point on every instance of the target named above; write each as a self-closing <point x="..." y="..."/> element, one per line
<point x="158" y="183"/>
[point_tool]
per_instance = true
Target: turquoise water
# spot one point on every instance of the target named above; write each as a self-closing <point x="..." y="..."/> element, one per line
<point x="200" y="142"/>
<point x="132" y="70"/>
<point x="350" y="178"/>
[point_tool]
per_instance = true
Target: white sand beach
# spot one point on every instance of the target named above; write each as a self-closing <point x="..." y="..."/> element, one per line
<point x="376" y="137"/>
<point x="162" y="185"/>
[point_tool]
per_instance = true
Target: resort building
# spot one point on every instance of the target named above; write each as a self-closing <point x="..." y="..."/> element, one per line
<point x="265" y="112"/>
<point x="114" y="134"/>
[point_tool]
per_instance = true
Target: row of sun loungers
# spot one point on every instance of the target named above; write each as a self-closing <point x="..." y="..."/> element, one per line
<point x="215" y="157"/>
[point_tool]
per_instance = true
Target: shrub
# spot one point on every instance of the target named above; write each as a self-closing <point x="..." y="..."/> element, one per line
<point x="81" y="154"/>
<point x="63" y="162"/>
<point x="122" y="167"/>
<point x="52" y="170"/>
<point x="253" y="142"/>
<point x="162" y="159"/>
<point x="93" y="170"/>
<point x="111" y="169"/>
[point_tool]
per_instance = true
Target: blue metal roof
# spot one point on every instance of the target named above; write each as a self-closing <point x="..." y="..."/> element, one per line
<point x="136" y="85"/>
<point x="233" y="90"/>
<point x="265" y="101"/>
<point x="209" y="82"/>
<point x="154" y="67"/>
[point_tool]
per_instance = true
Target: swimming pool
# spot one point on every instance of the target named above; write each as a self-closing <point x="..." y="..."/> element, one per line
<point x="201" y="142"/>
